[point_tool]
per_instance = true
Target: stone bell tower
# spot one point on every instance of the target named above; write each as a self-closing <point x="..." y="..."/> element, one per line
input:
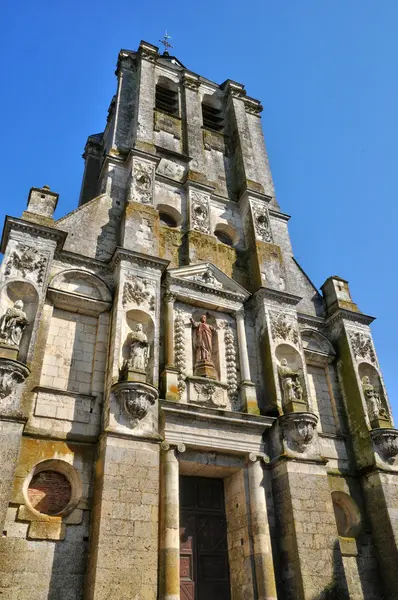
<point x="182" y="413"/>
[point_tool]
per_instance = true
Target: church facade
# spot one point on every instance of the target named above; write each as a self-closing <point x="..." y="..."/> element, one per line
<point x="183" y="415"/>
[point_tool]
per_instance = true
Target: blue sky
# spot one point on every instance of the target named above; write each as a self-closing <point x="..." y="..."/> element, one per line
<point x="325" y="72"/>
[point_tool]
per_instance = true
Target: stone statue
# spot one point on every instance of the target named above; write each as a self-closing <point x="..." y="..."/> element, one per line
<point x="12" y="324"/>
<point x="373" y="402"/>
<point x="203" y="343"/>
<point x="139" y="350"/>
<point x="291" y="386"/>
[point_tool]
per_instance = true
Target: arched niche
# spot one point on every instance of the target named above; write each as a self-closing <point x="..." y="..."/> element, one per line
<point x="169" y="215"/>
<point x="131" y="319"/>
<point x="226" y="234"/>
<point x="347" y="514"/>
<point x="215" y="355"/>
<point x="81" y="283"/>
<point x="25" y="291"/>
<point x="368" y="373"/>
<point x="288" y="357"/>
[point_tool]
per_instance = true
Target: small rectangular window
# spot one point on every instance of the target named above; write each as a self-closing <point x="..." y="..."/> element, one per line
<point x="166" y="100"/>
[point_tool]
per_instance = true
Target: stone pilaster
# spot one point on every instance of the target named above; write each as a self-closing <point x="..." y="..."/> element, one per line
<point x="262" y="550"/>
<point x="169" y="555"/>
<point x="193" y="116"/>
<point x="125" y="115"/>
<point x="144" y="135"/>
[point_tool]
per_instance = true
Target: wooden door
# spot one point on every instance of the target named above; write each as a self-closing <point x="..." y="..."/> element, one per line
<point x="204" y="572"/>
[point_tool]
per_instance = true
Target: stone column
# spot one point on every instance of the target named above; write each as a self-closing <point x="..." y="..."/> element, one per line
<point x="170" y="299"/>
<point x="169" y="555"/>
<point x="262" y="550"/>
<point x="248" y="390"/>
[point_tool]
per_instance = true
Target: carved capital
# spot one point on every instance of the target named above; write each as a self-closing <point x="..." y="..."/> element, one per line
<point x="178" y="447"/>
<point x="170" y="296"/>
<point x="135" y="399"/>
<point x="362" y="346"/>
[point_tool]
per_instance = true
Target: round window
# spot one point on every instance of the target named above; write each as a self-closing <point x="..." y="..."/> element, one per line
<point x="49" y="492"/>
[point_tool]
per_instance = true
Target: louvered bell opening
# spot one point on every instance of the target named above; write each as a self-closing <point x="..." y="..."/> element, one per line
<point x="166" y="100"/>
<point x="212" y="118"/>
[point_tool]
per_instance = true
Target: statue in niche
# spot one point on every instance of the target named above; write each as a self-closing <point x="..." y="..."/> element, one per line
<point x="291" y="386"/>
<point x="373" y="401"/>
<point x="204" y="366"/>
<point x="12" y="324"/>
<point x="139" y="350"/>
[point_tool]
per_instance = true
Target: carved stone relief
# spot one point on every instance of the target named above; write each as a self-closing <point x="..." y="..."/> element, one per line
<point x="26" y="261"/>
<point x="209" y="393"/>
<point x="230" y="356"/>
<point x="135" y="399"/>
<point x="386" y="443"/>
<point x="299" y="430"/>
<point x="12" y="373"/>
<point x="200" y="212"/>
<point x="362" y="346"/>
<point x="261" y="222"/>
<point x="283" y="328"/>
<point x="179" y="350"/>
<point x="207" y="278"/>
<point x="139" y="291"/>
<point x="142" y="182"/>
<point x="12" y="325"/>
<point x="171" y="169"/>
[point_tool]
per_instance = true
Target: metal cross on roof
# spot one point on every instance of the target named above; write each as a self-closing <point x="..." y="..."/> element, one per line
<point x="166" y="43"/>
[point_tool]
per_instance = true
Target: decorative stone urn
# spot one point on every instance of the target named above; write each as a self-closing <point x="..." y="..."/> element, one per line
<point x="385" y="442"/>
<point x="135" y="399"/>
<point x="298" y="430"/>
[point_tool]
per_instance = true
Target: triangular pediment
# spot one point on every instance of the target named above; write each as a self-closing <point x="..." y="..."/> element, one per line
<point x="210" y="277"/>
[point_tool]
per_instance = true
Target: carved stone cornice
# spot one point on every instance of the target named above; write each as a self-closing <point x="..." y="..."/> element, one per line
<point x="122" y="254"/>
<point x="50" y="233"/>
<point x="191" y="81"/>
<point x="126" y="60"/>
<point x="311" y="321"/>
<point x="277" y="296"/>
<point x="189" y="284"/>
<point x="278" y="215"/>
<point x="253" y="106"/>
<point x="348" y="315"/>
<point x="148" y="51"/>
